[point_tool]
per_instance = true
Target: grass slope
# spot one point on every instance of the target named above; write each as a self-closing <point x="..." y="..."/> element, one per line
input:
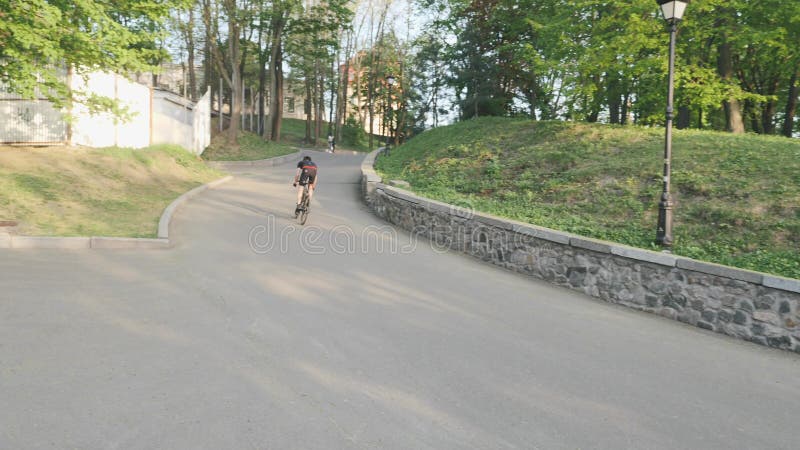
<point x="737" y="197"/>
<point x="94" y="192"/>
<point x="250" y="147"/>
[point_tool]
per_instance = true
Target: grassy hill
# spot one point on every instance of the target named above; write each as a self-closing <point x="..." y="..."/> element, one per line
<point x="251" y="147"/>
<point x="58" y="191"/>
<point x="737" y="197"/>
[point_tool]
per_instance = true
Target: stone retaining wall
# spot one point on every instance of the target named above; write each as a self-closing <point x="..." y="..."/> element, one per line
<point x="757" y="307"/>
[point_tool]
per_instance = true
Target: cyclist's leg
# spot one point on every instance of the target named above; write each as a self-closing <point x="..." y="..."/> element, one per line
<point x="311" y="186"/>
<point x="299" y="196"/>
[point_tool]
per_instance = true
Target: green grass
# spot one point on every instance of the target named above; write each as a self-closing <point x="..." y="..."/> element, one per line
<point x="737" y="197"/>
<point x="94" y="192"/>
<point x="294" y="131"/>
<point x="250" y="147"/>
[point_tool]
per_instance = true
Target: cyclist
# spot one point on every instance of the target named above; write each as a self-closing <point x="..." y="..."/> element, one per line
<point x="331" y="143"/>
<point x="306" y="174"/>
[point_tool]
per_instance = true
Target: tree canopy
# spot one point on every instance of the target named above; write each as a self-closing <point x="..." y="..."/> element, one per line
<point x="606" y="61"/>
<point x="39" y="38"/>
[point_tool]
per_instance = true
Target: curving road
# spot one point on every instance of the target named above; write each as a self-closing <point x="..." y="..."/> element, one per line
<point x="255" y="333"/>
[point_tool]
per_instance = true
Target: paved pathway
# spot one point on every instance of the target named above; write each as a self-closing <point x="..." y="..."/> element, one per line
<point x="319" y="339"/>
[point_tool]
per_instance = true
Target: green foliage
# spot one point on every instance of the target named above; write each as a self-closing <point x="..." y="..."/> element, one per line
<point x="354" y="135"/>
<point x="607" y="61"/>
<point x="38" y="38"/>
<point x="737" y="197"/>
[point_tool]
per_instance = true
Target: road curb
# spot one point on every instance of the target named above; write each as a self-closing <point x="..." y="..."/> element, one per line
<point x="166" y="217"/>
<point x="228" y="165"/>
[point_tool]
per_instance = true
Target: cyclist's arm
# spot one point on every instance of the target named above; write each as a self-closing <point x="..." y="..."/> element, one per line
<point x="297" y="175"/>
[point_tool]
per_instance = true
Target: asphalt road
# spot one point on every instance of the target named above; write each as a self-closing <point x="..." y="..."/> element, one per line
<point x="256" y="333"/>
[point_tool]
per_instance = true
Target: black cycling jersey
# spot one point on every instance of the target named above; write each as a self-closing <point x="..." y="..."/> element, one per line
<point x="308" y="172"/>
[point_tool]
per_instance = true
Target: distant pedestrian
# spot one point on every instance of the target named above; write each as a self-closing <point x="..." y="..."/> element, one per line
<point x="331" y="143"/>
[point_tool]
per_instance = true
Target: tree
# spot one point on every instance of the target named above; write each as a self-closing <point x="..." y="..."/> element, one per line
<point x="237" y="18"/>
<point x="39" y="37"/>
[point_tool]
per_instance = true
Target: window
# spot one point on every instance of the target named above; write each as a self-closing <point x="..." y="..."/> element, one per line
<point x="288" y="104"/>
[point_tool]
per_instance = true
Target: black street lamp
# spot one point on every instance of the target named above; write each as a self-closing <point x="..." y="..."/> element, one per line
<point x="673" y="12"/>
<point x="390" y="80"/>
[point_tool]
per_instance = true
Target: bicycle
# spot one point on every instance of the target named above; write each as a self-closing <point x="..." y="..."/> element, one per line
<point x="305" y="206"/>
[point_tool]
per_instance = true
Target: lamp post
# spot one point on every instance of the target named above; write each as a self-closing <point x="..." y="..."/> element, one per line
<point x="673" y="12"/>
<point x="390" y="80"/>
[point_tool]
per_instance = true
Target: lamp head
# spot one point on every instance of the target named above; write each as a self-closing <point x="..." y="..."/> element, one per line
<point x="672" y="9"/>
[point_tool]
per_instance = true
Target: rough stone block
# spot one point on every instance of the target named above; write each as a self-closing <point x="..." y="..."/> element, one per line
<point x="709" y="315"/>
<point x="767" y="316"/>
<point x="720" y="270"/>
<point x="786" y="284"/>
<point x="782" y="342"/>
<point x="765" y="302"/>
<point x="669" y="313"/>
<point x="705" y="325"/>
<point x="741" y="318"/>
<point x="746" y="305"/>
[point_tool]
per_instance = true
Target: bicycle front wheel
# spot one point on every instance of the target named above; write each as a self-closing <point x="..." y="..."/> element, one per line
<point x="304" y="212"/>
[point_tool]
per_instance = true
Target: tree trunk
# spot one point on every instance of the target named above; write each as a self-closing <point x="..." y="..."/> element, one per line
<point x="791" y="106"/>
<point x="276" y="77"/>
<point x="371" y="86"/>
<point x="320" y="104"/>
<point x="684" y="117"/>
<point x="190" y="49"/>
<point x="767" y="117"/>
<point x="307" y="107"/>
<point x="733" y="109"/>
<point x="771" y="107"/>
<point x="208" y="70"/>
<point x="236" y="78"/>
<point x="626" y="105"/>
<point x="344" y="81"/>
<point x="614" y="103"/>
<point x="262" y="76"/>
<point x="333" y="94"/>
